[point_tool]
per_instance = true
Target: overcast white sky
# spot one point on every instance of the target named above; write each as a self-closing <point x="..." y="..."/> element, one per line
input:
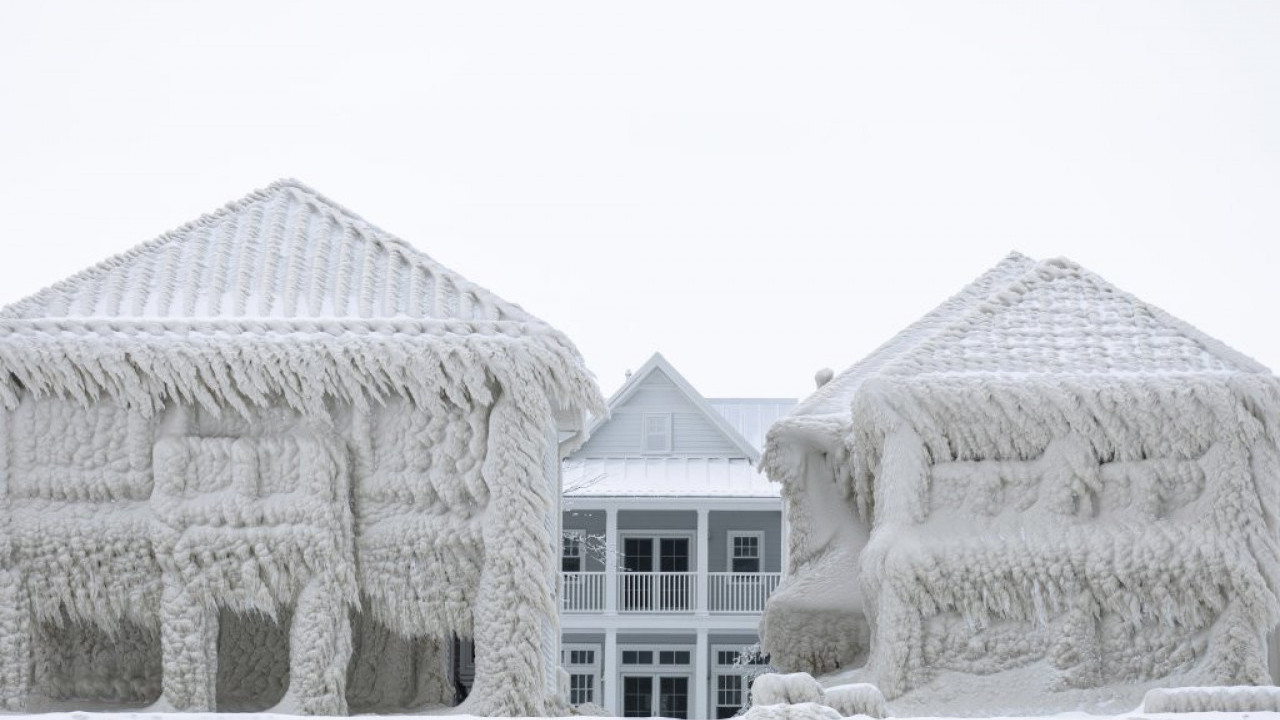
<point x="755" y="190"/>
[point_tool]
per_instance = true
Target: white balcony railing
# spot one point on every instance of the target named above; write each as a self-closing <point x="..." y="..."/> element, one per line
<point x="740" y="592"/>
<point x="669" y="592"/>
<point x="583" y="591"/>
<point x="656" y="591"/>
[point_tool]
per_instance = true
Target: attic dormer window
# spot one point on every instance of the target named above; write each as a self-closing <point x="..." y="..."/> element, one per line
<point x="657" y="433"/>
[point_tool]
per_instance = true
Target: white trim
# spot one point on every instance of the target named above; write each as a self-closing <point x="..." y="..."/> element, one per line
<point x="729" y="537"/>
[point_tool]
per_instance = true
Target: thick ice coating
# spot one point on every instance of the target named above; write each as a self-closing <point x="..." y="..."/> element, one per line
<point x="280" y="459"/>
<point x="1046" y="493"/>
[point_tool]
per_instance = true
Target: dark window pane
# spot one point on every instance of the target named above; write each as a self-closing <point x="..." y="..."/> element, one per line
<point x="673" y="697"/>
<point x="637" y="696"/>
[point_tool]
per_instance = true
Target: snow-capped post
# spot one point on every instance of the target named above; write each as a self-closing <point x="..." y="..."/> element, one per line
<point x="272" y="451"/>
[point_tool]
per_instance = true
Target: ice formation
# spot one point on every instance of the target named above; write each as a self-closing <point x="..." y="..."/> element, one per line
<point x="1045" y="494"/>
<point x="1234" y="699"/>
<point x="280" y="459"/>
<point x="798" y="696"/>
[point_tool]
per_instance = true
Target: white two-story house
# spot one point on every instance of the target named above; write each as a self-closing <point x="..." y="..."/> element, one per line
<point x="672" y="543"/>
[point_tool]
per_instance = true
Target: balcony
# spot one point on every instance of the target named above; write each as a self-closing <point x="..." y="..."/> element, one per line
<point x="668" y="592"/>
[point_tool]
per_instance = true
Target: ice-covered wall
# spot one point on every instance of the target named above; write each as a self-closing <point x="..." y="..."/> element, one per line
<point x="209" y="559"/>
<point x="1083" y="540"/>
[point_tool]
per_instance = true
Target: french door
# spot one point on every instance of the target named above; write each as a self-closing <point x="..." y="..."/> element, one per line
<point x="644" y="554"/>
<point x="655" y="696"/>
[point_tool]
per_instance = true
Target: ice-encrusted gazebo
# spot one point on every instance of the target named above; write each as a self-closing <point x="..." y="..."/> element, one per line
<point x="1044" y="494"/>
<point x="280" y="458"/>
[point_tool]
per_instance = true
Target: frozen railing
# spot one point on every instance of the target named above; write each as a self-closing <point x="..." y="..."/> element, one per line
<point x="656" y="591"/>
<point x="740" y="592"/>
<point x="583" y="591"/>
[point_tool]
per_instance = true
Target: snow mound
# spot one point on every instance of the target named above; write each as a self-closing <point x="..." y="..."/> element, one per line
<point x="856" y="699"/>
<point x="775" y="688"/>
<point x="1240" y="698"/>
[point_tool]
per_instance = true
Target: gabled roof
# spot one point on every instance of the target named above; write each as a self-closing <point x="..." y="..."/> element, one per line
<point x="1060" y="319"/>
<point x="283" y="252"/>
<point x="658" y="363"/>
<point x="835" y="397"/>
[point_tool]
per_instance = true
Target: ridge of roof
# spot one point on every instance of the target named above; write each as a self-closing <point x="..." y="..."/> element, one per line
<point x="1060" y="318"/>
<point x="306" y="252"/>
<point x="658" y="363"/>
<point x="835" y="396"/>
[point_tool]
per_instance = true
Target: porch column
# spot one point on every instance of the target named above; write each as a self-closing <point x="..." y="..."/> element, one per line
<point x="701" y="677"/>
<point x="703" y="584"/>
<point x="609" y="683"/>
<point x="320" y="650"/>
<point x="189" y="648"/>
<point x="610" y="561"/>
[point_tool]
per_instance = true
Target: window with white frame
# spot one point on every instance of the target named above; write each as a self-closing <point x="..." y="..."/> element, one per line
<point x="732" y="675"/>
<point x="582" y="663"/>
<point x="657" y="433"/>
<point x="571" y="553"/>
<point x="746" y="551"/>
<point x="656" y="682"/>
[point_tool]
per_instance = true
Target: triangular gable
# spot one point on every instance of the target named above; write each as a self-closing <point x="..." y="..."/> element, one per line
<point x="1061" y="319"/>
<point x="284" y="252"/>
<point x="836" y="396"/>
<point x="637" y="381"/>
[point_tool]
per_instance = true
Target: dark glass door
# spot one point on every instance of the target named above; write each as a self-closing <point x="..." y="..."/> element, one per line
<point x="637" y="696"/>
<point x="674" y="593"/>
<point x="673" y="697"/>
<point x="637" y="557"/>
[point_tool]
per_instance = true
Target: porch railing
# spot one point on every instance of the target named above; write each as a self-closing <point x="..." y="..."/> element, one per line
<point x="669" y="592"/>
<point x="740" y="592"/>
<point x="583" y="591"/>
<point x="656" y="591"/>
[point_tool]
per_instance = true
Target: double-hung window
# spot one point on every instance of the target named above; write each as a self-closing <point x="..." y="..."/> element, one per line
<point x="746" y="552"/>
<point x="571" y="553"/>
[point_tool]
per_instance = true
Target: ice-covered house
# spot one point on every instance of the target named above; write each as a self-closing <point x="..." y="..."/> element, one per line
<point x="673" y="541"/>
<point x="1046" y="493"/>
<point x="280" y="458"/>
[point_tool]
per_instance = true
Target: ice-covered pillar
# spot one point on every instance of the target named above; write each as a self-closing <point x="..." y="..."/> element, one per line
<point x="319" y="650"/>
<point x="517" y="624"/>
<point x="189" y="648"/>
<point x="611" y="560"/>
<point x="15" y="642"/>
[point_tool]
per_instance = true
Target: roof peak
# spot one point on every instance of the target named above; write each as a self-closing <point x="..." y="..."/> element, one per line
<point x="281" y="252"/>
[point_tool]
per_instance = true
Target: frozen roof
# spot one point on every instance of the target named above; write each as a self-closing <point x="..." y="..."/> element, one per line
<point x="751" y="417"/>
<point x="835" y="397"/>
<point x="279" y="253"/>
<point x="665" y="477"/>
<point x="1024" y="316"/>
<point x="282" y="294"/>
<point x="1060" y="319"/>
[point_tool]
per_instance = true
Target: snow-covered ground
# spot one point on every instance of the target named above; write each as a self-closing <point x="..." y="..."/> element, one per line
<point x="1135" y="715"/>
